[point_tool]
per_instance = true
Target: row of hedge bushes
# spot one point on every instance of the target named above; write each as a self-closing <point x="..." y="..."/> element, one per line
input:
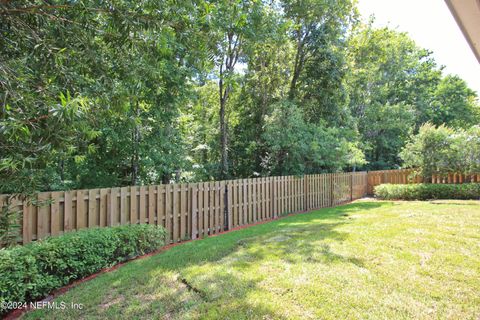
<point x="424" y="191"/>
<point x="32" y="271"/>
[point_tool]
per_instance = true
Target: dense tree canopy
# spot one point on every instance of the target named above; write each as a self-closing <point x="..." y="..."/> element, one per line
<point x="392" y="84"/>
<point x="112" y="93"/>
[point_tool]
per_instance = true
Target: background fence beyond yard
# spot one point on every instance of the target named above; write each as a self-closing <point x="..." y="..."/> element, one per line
<point x="405" y="176"/>
<point x="196" y="210"/>
<point x="187" y="211"/>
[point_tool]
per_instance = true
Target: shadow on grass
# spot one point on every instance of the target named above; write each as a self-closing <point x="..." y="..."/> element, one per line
<point x="456" y="202"/>
<point x="363" y="205"/>
<point x="225" y="263"/>
<point x="304" y="224"/>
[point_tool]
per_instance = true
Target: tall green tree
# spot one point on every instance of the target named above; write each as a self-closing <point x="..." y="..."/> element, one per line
<point x="389" y="78"/>
<point x="295" y="146"/>
<point x="319" y="30"/>
<point x="302" y="61"/>
<point x="454" y="104"/>
<point x="234" y="22"/>
<point x="265" y="82"/>
<point x="91" y="90"/>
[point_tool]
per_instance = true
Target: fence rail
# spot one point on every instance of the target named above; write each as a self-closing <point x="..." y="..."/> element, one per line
<point x="187" y="211"/>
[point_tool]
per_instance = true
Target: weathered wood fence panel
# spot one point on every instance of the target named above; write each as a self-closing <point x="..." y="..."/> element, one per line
<point x="187" y="211"/>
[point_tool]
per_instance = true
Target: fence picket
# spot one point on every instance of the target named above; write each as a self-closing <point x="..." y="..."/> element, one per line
<point x="43" y="215"/>
<point x="200" y="213"/>
<point x="151" y="205"/>
<point x="218" y="208"/>
<point x="194" y="213"/>
<point x="206" y="207"/>
<point x="175" y="210"/>
<point x="80" y="202"/>
<point x="183" y="209"/>
<point x="123" y="205"/>
<point x="230" y="203"/>
<point x="55" y="214"/>
<point x="27" y="223"/>
<point x="161" y="205"/>
<point x="92" y="208"/>
<point x="221" y="195"/>
<point x="133" y="205"/>
<point x="233" y="204"/>
<point x="111" y="207"/>
<point x="103" y="207"/>
<point x="67" y="211"/>
<point x="168" y="211"/>
<point x="211" y="206"/>
<point x="142" y="201"/>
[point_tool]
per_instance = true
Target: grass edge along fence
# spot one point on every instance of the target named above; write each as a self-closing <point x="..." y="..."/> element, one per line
<point x="186" y="211"/>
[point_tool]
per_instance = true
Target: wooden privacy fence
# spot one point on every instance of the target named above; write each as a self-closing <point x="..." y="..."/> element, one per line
<point x="187" y="211"/>
<point x="404" y="176"/>
<point x="401" y="176"/>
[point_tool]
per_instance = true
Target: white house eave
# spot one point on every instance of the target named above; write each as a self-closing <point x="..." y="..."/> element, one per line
<point x="467" y="15"/>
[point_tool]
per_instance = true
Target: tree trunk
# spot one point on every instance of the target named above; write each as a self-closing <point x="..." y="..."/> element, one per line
<point x="165" y="178"/>
<point x="135" y="153"/>
<point x="293" y="84"/>
<point x="204" y="135"/>
<point x="226" y="69"/>
<point x="223" y="140"/>
<point x="299" y="62"/>
<point x="62" y="170"/>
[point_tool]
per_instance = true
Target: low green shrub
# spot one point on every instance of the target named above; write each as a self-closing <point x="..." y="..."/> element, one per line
<point x="423" y="191"/>
<point x="32" y="271"/>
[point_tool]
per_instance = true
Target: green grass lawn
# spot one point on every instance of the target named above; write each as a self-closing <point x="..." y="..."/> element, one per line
<point x="365" y="260"/>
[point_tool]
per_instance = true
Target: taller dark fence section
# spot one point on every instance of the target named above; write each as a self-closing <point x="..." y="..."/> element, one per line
<point x="187" y="211"/>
